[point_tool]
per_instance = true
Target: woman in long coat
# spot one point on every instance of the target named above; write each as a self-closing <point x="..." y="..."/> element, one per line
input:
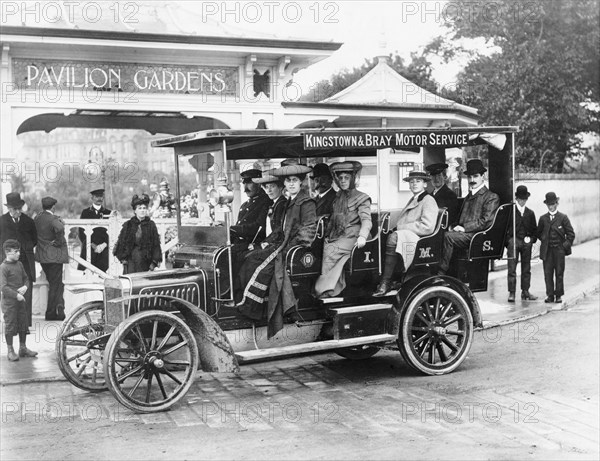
<point x="270" y="280"/>
<point x="349" y="225"/>
<point x="416" y="220"/>
<point x="138" y="245"/>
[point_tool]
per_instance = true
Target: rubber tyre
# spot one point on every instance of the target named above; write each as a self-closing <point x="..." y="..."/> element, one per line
<point x="436" y="331"/>
<point x="81" y="366"/>
<point x="129" y="361"/>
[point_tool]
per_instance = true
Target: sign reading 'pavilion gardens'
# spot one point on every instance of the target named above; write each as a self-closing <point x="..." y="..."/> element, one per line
<point x="107" y="76"/>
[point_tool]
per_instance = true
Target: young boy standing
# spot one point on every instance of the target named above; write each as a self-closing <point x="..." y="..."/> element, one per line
<point x="556" y="234"/>
<point x="14" y="284"/>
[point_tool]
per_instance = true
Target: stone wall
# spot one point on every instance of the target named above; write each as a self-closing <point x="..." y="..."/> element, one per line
<point x="579" y="198"/>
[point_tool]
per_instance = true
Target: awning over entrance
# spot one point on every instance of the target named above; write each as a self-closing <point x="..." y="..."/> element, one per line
<point x="174" y="123"/>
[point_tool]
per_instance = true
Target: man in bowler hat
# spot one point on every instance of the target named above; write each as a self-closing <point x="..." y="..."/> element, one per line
<point x="557" y="235"/>
<point x="322" y="184"/>
<point x="52" y="253"/>
<point x="444" y="197"/>
<point x="99" y="239"/>
<point x="476" y="214"/>
<point x="520" y="246"/>
<point x="20" y="227"/>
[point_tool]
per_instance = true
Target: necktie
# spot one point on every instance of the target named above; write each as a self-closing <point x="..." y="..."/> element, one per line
<point x="551" y="217"/>
<point x="16" y="220"/>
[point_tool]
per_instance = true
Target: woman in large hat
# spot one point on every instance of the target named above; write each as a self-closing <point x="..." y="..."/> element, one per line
<point x="416" y="220"/>
<point x="138" y="245"/>
<point x="270" y="280"/>
<point x="349" y="225"/>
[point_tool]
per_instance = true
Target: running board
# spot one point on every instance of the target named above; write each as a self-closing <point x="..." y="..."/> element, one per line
<point x="279" y="352"/>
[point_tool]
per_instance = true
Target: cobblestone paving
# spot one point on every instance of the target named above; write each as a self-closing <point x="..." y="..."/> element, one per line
<point x="304" y="394"/>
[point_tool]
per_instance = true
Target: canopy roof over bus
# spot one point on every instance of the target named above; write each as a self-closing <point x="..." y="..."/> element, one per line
<point x="252" y="144"/>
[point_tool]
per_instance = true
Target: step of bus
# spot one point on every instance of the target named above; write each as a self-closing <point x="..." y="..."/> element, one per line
<point x="288" y="351"/>
<point x="355" y="321"/>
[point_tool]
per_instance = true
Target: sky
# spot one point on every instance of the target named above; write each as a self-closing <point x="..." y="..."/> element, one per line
<point x="366" y="29"/>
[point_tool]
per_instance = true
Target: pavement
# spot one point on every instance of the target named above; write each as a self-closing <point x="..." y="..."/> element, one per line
<point x="582" y="277"/>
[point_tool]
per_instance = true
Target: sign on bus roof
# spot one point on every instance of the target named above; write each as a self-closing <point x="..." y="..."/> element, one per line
<point x="383" y="139"/>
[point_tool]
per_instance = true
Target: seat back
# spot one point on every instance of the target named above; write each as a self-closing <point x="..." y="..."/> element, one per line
<point x="368" y="258"/>
<point x="489" y="243"/>
<point x="428" y="249"/>
<point x="306" y="261"/>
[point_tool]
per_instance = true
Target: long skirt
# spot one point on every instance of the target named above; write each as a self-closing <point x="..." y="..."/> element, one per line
<point x="406" y="246"/>
<point x="137" y="262"/>
<point x="332" y="280"/>
<point x="255" y="277"/>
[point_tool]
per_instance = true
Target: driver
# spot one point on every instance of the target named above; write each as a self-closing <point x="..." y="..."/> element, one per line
<point x="252" y="217"/>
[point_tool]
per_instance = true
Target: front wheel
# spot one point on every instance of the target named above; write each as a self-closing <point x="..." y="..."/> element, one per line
<point x="436" y="331"/>
<point x="79" y="362"/>
<point x="151" y="361"/>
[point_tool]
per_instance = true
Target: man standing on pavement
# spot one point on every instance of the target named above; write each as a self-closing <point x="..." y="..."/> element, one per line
<point x="557" y="235"/>
<point x="20" y="227"/>
<point x="525" y="237"/>
<point x="322" y="187"/>
<point x="444" y="197"/>
<point x="477" y="213"/>
<point x="52" y="253"/>
<point x="99" y="240"/>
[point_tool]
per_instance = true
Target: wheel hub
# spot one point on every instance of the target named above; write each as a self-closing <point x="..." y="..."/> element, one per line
<point x="154" y="359"/>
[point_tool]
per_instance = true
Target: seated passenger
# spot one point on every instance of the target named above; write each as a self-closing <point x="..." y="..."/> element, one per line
<point x="477" y="213"/>
<point x="273" y="186"/>
<point x="324" y="194"/>
<point x="270" y="279"/>
<point x="350" y="224"/>
<point x="444" y="197"/>
<point x="416" y="220"/>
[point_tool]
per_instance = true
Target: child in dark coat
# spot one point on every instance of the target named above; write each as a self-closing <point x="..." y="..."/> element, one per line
<point x="14" y="284"/>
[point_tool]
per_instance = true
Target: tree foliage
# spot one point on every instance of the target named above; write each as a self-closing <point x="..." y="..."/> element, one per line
<point x="544" y="78"/>
<point x="418" y="71"/>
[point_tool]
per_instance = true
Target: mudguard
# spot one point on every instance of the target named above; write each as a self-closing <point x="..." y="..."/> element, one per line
<point x="415" y="284"/>
<point x="215" y="350"/>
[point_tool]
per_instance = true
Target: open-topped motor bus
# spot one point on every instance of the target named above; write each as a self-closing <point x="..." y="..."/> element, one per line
<point x="152" y="331"/>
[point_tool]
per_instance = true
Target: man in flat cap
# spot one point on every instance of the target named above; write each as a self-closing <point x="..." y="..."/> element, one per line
<point x="476" y="214"/>
<point x="444" y="197"/>
<point x="322" y="185"/>
<point x="52" y="253"/>
<point x="99" y="239"/>
<point x="557" y="235"/>
<point x="520" y="246"/>
<point x="20" y="227"/>
<point x="252" y="217"/>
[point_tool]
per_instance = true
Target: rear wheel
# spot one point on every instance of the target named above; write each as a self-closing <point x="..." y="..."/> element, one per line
<point x="79" y="362"/>
<point x="358" y="352"/>
<point x="436" y="331"/>
<point x="151" y="361"/>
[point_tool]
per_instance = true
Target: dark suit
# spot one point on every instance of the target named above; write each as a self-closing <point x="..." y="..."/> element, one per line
<point x="557" y="236"/>
<point x="477" y="214"/>
<point x="325" y="203"/>
<point x="445" y="198"/>
<point x="252" y="216"/>
<point x="24" y="232"/>
<point x="52" y="252"/>
<point x="99" y="235"/>
<point x="524" y="227"/>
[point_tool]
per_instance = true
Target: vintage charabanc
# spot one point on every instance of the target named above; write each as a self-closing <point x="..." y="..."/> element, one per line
<point x="152" y="331"/>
